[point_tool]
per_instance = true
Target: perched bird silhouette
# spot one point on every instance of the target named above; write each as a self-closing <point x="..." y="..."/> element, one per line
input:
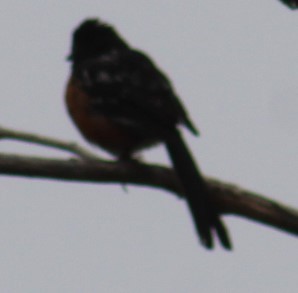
<point x="121" y="101"/>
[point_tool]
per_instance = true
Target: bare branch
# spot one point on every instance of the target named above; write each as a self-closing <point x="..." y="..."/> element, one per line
<point x="228" y="198"/>
<point x="73" y="148"/>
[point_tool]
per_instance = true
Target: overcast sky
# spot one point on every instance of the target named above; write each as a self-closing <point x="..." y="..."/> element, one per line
<point x="234" y="64"/>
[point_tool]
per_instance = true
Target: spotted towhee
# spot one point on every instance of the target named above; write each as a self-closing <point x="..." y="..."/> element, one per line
<point x="120" y="100"/>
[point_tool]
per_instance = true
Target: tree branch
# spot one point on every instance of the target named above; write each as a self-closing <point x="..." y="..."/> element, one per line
<point x="86" y="167"/>
<point x="73" y="148"/>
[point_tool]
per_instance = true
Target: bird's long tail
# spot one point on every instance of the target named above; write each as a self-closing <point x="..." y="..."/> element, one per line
<point x="206" y="218"/>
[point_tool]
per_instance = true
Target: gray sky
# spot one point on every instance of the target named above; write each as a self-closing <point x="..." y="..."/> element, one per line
<point x="234" y="64"/>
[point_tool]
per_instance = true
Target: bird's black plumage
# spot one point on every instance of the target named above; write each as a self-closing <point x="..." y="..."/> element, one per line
<point x="125" y="86"/>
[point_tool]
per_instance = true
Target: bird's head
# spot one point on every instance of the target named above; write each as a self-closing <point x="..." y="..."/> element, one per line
<point x="93" y="38"/>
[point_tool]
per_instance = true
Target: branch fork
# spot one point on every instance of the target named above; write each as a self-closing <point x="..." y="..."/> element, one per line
<point x="85" y="166"/>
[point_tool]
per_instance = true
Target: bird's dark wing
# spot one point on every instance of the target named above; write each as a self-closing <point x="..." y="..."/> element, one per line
<point x="127" y="86"/>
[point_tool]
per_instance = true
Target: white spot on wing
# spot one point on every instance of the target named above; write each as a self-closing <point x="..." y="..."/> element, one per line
<point x="103" y="76"/>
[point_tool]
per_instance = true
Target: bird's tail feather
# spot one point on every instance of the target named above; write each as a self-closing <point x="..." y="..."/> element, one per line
<point x="205" y="217"/>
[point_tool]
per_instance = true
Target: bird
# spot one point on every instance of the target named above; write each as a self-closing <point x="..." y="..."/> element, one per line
<point x="121" y="101"/>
